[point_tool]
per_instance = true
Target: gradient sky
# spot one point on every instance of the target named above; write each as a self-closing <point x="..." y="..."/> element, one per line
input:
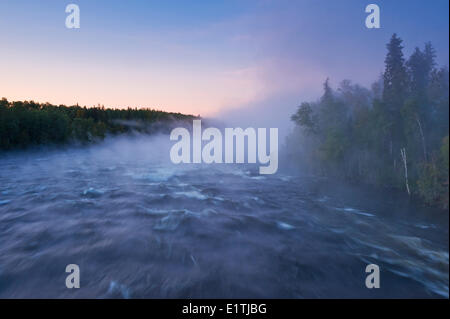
<point x="202" y="57"/>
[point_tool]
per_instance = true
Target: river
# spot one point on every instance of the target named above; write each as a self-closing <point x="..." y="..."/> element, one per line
<point x="139" y="227"/>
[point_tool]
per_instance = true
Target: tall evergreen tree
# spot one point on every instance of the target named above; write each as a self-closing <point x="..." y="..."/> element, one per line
<point x="395" y="76"/>
<point x="395" y="87"/>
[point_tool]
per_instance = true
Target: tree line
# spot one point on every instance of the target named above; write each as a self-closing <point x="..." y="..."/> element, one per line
<point x="27" y="123"/>
<point x="394" y="134"/>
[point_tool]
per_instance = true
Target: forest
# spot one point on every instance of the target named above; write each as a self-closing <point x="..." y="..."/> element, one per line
<point x="23" y="124"/>
<point x="394" y="135"/>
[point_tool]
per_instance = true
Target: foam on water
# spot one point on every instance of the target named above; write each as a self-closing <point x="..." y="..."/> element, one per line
<point x="4" y="201"/>
<point x="285" y="226"/>
<point x="354" y="211"/>
<point x="192" y="194"/>
<point x="116" y="288"/>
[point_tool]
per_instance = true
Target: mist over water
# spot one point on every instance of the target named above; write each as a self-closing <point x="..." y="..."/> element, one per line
<point x="139" y="226"/>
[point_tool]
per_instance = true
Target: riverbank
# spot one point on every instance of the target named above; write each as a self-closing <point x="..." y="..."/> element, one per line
<point x="26" y="124"/>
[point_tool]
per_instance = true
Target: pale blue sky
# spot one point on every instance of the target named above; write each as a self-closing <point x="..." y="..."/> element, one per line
<point x="202" y="56"/>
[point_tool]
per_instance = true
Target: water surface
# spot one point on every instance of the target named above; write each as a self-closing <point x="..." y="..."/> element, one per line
<point x="139" y="227"/>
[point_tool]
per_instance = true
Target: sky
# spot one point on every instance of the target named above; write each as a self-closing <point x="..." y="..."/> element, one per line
<point x="229" y="58"/>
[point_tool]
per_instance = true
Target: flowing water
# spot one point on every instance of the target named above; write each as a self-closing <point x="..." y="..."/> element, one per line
<point x="139" y="227"/>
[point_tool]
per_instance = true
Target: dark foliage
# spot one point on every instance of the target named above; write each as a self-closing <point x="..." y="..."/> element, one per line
<point x="395" y="135"/>
<point x="28" y="123"/>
